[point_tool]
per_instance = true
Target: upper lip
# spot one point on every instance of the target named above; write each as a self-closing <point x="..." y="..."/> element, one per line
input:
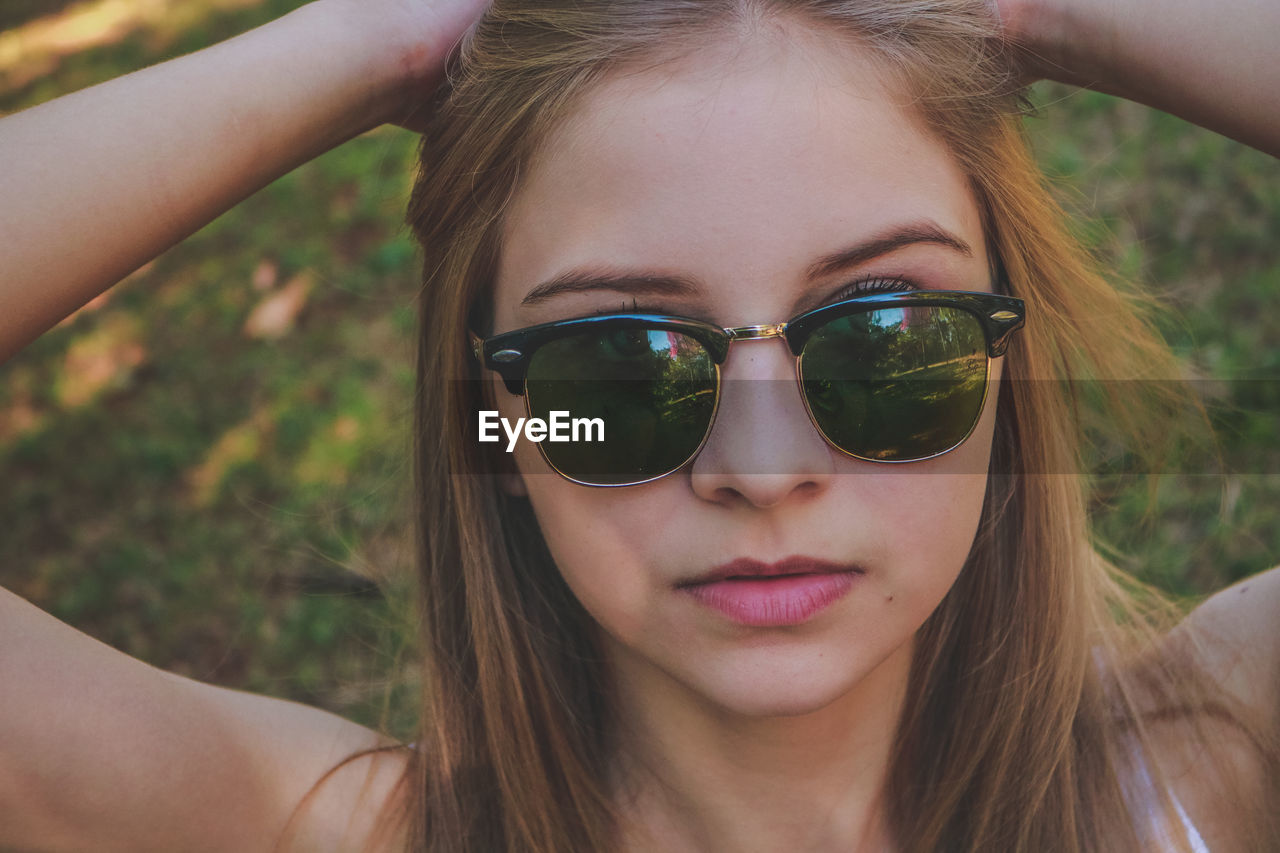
<point x="746" y="567"/>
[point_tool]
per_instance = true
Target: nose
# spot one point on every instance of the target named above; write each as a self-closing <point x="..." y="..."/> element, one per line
<point x="763" y="449"/>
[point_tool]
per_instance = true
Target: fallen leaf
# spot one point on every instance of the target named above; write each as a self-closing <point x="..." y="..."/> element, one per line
<point x="20" y="418"/>
<point x="238" y="445"/>
<point x="265" y="274"/>
<point x="276" y="314"/>
<point x="103" y="358"/>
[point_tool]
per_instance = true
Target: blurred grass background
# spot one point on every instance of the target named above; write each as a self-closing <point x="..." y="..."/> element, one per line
<point x="207" y="468"/>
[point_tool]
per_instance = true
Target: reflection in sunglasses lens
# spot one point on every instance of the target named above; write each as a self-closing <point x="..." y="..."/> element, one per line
<point x="896" y="384"/>
<point x="654" y="390"/>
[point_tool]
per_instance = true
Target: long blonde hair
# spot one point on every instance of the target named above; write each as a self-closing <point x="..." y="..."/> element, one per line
<point x="1020" y="713"/>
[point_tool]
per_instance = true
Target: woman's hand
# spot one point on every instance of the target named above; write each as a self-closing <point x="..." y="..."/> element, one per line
<point x="96" y="183"/>
<point x="418" y="37"/>
<point x="1210" y="63"/>
<point x="1038" y="36"/>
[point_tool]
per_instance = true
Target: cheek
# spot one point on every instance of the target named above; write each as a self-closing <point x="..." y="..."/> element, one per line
<point x="586" y="544"/>
<point x="600" y="541"/>
<point x="918" y="529"/>
<point x="931" y="519"/>
<point x="928" y="514"/>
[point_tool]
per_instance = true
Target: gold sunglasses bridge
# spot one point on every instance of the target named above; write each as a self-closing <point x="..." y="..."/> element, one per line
<point x="755" y="333"/>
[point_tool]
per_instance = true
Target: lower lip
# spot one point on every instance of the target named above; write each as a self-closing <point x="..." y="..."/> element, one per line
<point x="775" y="601"/>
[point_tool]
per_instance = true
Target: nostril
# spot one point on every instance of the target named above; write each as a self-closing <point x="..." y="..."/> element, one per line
<point x="762" y="491"/>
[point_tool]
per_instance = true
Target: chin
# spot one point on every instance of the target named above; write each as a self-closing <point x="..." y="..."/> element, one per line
<point x="785" y="694"/>
<point x="841" y="680"/>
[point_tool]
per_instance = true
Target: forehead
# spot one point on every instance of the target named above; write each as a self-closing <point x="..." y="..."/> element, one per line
<point x="736" y="166"/>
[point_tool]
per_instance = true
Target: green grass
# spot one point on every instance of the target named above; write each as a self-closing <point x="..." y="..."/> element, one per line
<point x="219" y="505"/>
<point x="214" y="504"/>
<point x="1195" y="216"/>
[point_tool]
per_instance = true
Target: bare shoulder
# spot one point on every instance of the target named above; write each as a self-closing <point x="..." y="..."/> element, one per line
<point x="100" y="751"/>
<point x="334" y="780"/>
<point x="1238" y="632"/>
<point x="354" y="809"/>
<point x="1221" y="768"/>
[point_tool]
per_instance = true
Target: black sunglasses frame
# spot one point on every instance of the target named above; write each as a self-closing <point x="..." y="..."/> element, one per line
<point x="509" y="354"/>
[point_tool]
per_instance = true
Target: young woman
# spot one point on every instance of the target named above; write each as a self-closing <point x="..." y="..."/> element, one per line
<point x="849" y="604"/>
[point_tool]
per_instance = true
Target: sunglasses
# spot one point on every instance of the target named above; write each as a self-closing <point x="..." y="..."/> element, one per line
<point x="885" y="377"/>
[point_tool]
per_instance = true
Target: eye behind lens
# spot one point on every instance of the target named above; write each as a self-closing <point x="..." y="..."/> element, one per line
<point x="653" y="389"/>
<point x="896" y="384"/>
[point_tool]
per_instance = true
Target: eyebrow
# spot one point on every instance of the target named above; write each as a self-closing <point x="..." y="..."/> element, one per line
<point x="581" y="281"/>
<point x="584" y="281"/>
<point x="882" y="244"/>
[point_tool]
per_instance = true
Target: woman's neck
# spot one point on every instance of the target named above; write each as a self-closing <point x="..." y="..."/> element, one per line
<point x="693" y="776"/>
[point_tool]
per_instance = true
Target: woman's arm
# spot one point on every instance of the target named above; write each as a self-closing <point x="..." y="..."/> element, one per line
<point x="95" y="184"/>
<point x="1211" y="63"/>
<point x="101" y="752"/>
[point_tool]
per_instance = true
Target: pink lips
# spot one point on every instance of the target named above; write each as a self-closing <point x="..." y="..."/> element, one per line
<point x="765" y="595"/>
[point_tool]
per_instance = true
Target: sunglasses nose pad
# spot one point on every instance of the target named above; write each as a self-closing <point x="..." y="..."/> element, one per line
<point x="762" y="445"/>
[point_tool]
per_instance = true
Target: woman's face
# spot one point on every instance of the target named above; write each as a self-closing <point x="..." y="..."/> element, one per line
<point x="734" y="170"/>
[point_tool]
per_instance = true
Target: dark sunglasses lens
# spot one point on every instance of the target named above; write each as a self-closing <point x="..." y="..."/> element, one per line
<point x="896" y="384"/>
<point x="653" y="393"/>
